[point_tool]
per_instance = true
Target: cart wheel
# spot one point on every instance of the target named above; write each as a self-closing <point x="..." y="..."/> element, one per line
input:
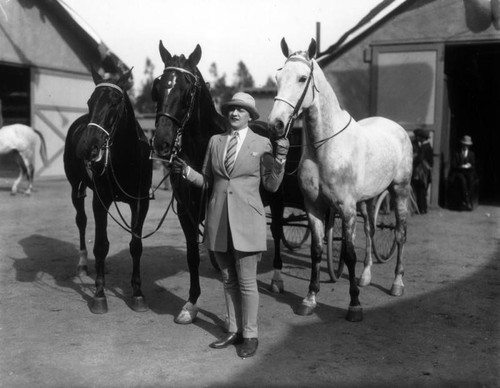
<point x="384" y="241"/>
<point x="211" y="255"/>
<point x="295" y="227"/>
<point x="334" y="246"/>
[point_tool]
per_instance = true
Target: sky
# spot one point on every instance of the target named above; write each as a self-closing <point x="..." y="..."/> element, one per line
<point x="228" y="31"/>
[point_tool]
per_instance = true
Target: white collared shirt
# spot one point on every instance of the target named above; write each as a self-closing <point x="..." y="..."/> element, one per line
<point x="242" y="134"/>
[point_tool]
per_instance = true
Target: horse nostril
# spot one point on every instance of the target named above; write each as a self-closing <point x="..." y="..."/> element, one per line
<point x="279" y="125"/>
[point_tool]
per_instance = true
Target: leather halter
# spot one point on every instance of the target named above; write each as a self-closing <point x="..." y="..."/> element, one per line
<point x="298" y="105"/>
<point x="177" y="145"/>
<point x="108" y="133"/>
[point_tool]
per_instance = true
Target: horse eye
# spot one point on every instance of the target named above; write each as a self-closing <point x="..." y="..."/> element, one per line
<point x="303" y="79"/>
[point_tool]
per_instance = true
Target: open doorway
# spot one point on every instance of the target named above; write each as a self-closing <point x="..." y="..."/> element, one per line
<point x="15" y="107"/>
<point x="473" y="81"/>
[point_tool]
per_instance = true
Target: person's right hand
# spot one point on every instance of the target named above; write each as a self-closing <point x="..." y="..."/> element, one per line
<point x="179" y="166"/>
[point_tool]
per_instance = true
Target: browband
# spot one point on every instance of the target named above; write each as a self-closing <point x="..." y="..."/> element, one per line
<point x="111" y="86"/>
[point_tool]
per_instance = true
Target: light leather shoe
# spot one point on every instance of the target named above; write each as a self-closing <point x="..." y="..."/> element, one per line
<point x="249" y="347"/>
<point x="229" y="339"/>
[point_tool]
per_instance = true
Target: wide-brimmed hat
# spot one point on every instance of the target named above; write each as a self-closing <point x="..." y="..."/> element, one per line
<point x="466" y="140"/>
<point x="423" y="133"/>
<point x="242" y="100"/>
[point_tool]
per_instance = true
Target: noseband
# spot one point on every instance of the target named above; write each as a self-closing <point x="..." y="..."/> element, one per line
<point x="181" y="124"/>
<point x="297" y="106"/>
<point x="109" y="133"/>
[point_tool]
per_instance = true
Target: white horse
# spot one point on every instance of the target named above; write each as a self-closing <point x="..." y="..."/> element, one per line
<point x="23" y="140"/>
<point x="344" y="163"/>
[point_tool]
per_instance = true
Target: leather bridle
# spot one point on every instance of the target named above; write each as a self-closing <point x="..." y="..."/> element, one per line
<point x="181" y="124"/>
<point x="109" y="133"/>
<point x="298" y="105"/>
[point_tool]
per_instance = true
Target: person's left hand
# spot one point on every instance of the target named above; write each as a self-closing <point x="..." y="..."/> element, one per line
<point x="281" y="148"/>
<point x="178" y="166"/>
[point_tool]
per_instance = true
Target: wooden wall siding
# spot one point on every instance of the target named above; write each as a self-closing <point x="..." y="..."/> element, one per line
<point x="426" y="21"/>
<point x="32" y="35"/>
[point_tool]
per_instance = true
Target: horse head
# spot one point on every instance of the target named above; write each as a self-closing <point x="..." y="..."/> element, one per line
<point x="175" y="93"/>
<point x="107" y="106"/>
<point x="296" y="88"/>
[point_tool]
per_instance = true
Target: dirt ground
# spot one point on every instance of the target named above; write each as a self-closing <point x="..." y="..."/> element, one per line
<point x="444" y="331"/>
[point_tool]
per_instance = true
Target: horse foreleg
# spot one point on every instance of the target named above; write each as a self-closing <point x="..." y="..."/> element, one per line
<point x="401" y="206"/>
<point x="99" y="304"/>
<point x="316" y="223"/>
<point x="354" y="312"/>
<point x="277" y="284"/>
<point x="367" y="212"/>
<point x="139" y="210"/>
<point x="190" y="309"/>
<point x="81" y="223"/>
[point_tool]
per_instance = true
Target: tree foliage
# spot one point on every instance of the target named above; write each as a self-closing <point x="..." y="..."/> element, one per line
<point x="219" y="88"/>
<point x="143" y="101"/>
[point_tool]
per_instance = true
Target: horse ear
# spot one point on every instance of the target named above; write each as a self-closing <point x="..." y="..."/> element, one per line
<point x="311" y="51"/>
<point x="195" y="56"/>
<point x="126" y="80"/>
<point x="165" y="55"/>
<point x="284" y="48"/>
<point x="95" y="75"/>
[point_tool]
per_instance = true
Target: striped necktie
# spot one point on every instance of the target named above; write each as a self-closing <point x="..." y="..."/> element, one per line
<point x="231" y="153"/>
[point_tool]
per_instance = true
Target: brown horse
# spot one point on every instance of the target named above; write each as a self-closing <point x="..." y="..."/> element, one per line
<point x="107" y="151"/>
<point x="186" y="119"/>
<point x="343" y="163"/>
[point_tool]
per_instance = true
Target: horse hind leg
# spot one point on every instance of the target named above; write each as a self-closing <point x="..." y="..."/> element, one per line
<point x="22" y="168"/>
<point x="81" y="222"/>
<point x="401" y="206"/>
<point x="317" y="226"/>
<point x="367" y="212"/>
<point x="277" y="284"/>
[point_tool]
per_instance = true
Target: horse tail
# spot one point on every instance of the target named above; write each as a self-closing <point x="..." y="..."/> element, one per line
<point x="43" y="147"/>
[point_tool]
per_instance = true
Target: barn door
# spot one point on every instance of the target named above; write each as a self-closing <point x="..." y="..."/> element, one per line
<point x="408" y="88"/>
<point x="59" y="98"/>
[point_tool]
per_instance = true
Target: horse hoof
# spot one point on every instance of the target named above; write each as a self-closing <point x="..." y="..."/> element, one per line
<point x="354" y="314"/>
<point x="397" y="290"/>
<point x="277" y="286"/>
<point x="187" y="315"/>
<point x="13" y="193"/>
<point x="305" y="309"/>
<point x="82" y="270"/>
<point x="99" y="305"/>
<point x="139" y="304"/>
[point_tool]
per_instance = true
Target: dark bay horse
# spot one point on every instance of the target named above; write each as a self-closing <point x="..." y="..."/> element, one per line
<point x="107" y="151"/>
<point x="344" y="163"/>
<point x="186" y="119"/>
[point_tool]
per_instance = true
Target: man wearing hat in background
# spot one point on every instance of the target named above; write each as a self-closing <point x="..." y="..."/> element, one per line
<point x="422" y="167"/>
<point x="236" y="163"/>
<point x="463" y="172"/>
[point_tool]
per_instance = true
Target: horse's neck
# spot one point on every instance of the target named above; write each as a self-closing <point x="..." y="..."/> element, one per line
<point x="324" y="118"/>
<point x="204" y="125"/>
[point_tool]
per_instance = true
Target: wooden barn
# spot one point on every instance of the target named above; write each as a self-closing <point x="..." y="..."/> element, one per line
<point x="432" y="64"/>
<point x="45" y="76"/>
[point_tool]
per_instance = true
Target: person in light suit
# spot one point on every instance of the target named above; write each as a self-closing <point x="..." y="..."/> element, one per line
<point x="235" y="165"/>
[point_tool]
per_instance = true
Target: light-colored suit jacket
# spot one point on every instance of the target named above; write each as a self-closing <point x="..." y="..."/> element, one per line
<point x="235" y="198"/>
